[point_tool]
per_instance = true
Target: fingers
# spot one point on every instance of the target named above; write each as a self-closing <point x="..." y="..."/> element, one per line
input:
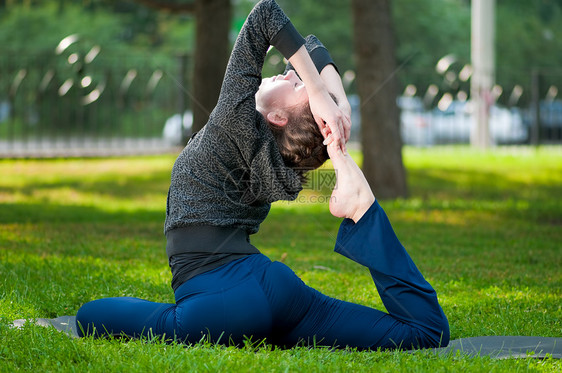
<point x="331" y="120"/>
<point x="332" y="150"/>
<point x="343" y="124"/>
<point x="347" y="128"/>
<point x="341" y="129"/>
<point x="341" y="132"/>
<point x="332" y="140"/>
<point x="346" y="112"/>
<point x="334" y="133"/>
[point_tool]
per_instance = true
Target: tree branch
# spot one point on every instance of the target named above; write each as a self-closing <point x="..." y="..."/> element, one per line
<point x="170" y="6"/>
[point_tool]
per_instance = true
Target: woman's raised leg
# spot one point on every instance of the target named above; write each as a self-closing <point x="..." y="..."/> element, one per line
<point x="415" y="318"/>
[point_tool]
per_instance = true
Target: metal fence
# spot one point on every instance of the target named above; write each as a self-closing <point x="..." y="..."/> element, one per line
<point x="442" y="113"/>
<point x="75" y="103"/>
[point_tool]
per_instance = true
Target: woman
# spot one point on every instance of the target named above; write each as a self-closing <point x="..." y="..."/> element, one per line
<point x="254" y="150"/>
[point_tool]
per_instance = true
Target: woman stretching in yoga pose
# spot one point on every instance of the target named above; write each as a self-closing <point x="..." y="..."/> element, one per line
<point x="260" y="140"/>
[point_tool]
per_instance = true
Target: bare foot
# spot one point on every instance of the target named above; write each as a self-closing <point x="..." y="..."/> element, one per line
<point x="352" y="195"/>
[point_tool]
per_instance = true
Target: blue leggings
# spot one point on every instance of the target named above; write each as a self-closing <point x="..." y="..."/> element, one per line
<point x="255" y="298"/>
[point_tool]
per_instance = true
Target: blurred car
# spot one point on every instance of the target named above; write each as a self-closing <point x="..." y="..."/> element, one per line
<point x="415" y="122"/>
<point x="551" y="114"/>
<point x="178" y="128"/>
<point x="454" y="124"/>
<point x="355" y="104"/>
<point x="550" y="118"/>
<point x="507" y="126"/>
<point x="5" y="110"/>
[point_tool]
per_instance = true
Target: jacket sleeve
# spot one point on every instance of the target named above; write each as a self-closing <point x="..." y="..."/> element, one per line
<point x="266" y="25"/>
<point x="240" y="136"/>
<point x="318" y="53"/>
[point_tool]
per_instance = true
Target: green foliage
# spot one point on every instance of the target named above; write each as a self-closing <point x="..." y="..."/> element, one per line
<point x="483" y="227"/>
<point x="35" y="29"/>
<point x="427" y="31"/>
<point x="330" y="21"/>
<point x="29" y="37"/>
<point x="528" y="34"/>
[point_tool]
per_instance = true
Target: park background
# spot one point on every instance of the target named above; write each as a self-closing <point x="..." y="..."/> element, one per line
<point x="86" y="167"/>
<point x="98" y="74"/>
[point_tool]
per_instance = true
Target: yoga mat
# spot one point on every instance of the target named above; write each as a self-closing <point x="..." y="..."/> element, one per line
<point x="65" y="324"/>
<point x="497" y="347"/>
<point x="505" y="347"/>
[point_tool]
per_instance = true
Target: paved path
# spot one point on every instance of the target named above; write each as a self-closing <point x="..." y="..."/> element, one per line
<point x="83" y="147"/>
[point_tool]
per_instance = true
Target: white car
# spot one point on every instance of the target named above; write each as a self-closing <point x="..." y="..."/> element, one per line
<point x="5" y="110"/>
<point x="454" y="124"/>
<point x="415" y="122"/>
<point x="178" y="128"/>
<point x="421" y="127"/>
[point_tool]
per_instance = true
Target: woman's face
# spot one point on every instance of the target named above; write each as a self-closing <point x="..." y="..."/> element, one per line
<point x="281" y="92"/>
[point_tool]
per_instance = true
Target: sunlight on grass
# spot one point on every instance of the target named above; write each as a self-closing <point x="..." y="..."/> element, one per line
<point x="483" y="227"/>
<point x="108" y="184"/>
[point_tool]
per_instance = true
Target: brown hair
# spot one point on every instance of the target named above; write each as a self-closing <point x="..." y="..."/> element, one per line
<point x="300" y="141"/>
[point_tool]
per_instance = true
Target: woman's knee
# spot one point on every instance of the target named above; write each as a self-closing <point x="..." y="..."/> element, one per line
<point x="444" y="333"/>
<point x="437" y="335"/>
<point x="437" y="332"/>
<point x="86" y="316"/>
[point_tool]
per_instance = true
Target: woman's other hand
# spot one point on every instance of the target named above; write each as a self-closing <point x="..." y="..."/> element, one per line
<point x="333" y="82"/>
<point x="334" y="123"/>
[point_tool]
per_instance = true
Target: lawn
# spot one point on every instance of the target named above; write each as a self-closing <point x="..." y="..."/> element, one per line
<point x="483" y="227"/>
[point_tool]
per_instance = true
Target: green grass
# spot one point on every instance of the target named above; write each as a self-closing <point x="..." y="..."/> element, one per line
<point x="484" y="228"/>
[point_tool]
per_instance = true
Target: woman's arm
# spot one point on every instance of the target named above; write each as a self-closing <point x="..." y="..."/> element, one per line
<point x="266" y="25"/>
<point x="236" y="112"/>
<point x="329" y="73"/>
<point x="329" y="117"/>
<point x="333" y="82"/>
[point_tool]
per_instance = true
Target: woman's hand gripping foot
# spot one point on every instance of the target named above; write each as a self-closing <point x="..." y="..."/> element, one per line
<point x="352" y="196"/>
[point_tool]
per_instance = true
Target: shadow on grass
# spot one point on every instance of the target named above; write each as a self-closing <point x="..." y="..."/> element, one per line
<point x="58" y="213"/>
<point x="113" y="185"/>
<point x="479" y="185"/>
<point x="50" y="286"/>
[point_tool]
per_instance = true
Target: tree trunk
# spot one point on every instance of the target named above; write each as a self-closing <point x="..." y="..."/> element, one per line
<point x="212" y="48"/>
<point x="211" y="56"/>
<point x="378" y="90"/>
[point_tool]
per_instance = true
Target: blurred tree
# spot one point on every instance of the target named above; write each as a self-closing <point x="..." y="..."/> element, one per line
<point x="330" y="21"/>
<point x="213" y="19"/>
<point x="212" y="49"/>
<point x="377" y="88"/>
<point x="529" y="34"/>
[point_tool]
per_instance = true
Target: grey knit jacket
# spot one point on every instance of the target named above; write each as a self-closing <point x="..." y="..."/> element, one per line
<point x="231" y="171"/>
<point x="224" y="181"/>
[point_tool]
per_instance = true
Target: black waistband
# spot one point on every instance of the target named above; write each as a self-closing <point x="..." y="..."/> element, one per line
<point x="208" y="239"/>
